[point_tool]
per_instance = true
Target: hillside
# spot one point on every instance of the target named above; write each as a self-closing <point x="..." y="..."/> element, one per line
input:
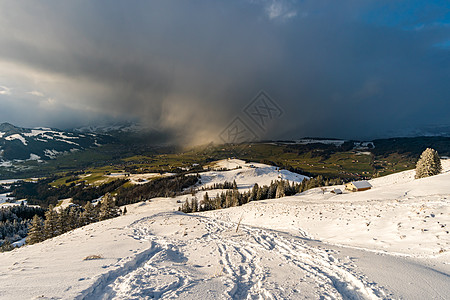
<point x="398" y="215"/>
<point x="17" y="143"/>
<point x="136" y="149"/>
<point x="388" y="242"/>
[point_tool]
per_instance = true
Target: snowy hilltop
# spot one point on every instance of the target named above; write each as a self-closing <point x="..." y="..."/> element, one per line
<point x="391" y="241"/>
<point x="41" y="143"/>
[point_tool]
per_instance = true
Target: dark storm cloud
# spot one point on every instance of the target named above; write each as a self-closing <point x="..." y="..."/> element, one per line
<point x="338" y="68"/>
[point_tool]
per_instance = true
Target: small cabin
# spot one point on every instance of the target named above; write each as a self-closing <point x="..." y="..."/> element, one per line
<point x="358" y="186"/>
<point x="336" y="191"/>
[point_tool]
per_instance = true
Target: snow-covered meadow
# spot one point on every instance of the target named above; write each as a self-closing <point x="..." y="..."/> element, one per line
<point x="389" y="242"/>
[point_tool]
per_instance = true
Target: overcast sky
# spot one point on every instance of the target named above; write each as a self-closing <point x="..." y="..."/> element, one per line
<point x="347" y="68"/>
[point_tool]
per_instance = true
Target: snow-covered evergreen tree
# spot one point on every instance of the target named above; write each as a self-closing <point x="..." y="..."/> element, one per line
<point x="186" y="207"/>
<point x="234" y="185"/>
<point x="272" y="190"/>
<point x="51" y="223"/>
<point x="194" y="204"/>
<point x="73" y="219"/>
<point x="63" y="221"/>
<point x="280" y="190"/>
<point x="429" y="164"/>
<point x="254" y="193"/>
<point x="89" y="215"/>
<point x="6" y="246"/>
<point x="207" y="203"/>
<point x="108" y="209"/>
<point x="36" y="232"/>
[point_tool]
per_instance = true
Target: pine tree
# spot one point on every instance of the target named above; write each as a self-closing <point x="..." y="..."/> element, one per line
<point x="272" y="190"/>
<point x="50" y="223"/>
<point x="217" y="202"/>
<point x="259" y="193"/>
<point x="254" y="193"/>
<point x="36" y="232"/>
<point x="187" y="207"/>
<point x="125" y="210"/>
<point x="194" y="204"/>
<point x="73" y="219"/>
<point x="223" y="200"/>
<point x="234" y="185"/>
<point x="207" y="203"/>
<point x="89" y="215"/>
<point x="62" y="223"/>
<point x="280" y="190"/>
<point x="108" y="209"/>
<point x="6" y="246"/>
<point x="429" y="164"/>
<point x="235" y="198"/>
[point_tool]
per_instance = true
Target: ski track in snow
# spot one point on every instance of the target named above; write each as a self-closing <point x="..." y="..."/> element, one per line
<point x="162" y="272"/>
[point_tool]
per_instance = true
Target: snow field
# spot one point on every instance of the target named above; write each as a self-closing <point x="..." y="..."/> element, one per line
<point x="388" y="242"/>
<point x="156" y="252"/>
<point x="247" y="175"/>
<point x="195" y="257"/>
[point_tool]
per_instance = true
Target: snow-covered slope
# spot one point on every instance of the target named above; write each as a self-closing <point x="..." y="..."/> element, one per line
<point x="398" y="215"/>
<point x="155" y="252"/>
<point x="281" y="249"/>
<point x="18" y="143"/>
<point x="246" y="174"/>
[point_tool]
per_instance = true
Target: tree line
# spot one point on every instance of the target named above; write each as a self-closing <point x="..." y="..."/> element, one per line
<point x="14" y="223"/>
<point x="57" y="222"/>
<point x="159" y="187"/>
<point x="233" y="197"/>
<point x="43" y="194"/>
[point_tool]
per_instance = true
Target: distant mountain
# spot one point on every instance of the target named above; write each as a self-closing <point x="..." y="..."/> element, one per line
<point x="111" y="129"/>
<point x="40" y="143"/>
<point x="130" y="133"/>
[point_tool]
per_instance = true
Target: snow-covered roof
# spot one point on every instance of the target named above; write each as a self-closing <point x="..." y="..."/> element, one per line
<point x="336" y="191"/>
<point x="361" y="184"/>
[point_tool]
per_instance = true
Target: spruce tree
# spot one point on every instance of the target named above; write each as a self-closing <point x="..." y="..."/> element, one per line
<point x="207" y="203"/>
<point x="62" y="223"/>
<point x="234" y="185"/>
<point x="217" y="202"/>
<point x="36" y="232"/>
<point x="429" y="164"/>
<point x="187" y="207"/>
<point x="51" y="223"/>
<point x="89" y="215"/>
<point x="259" y="193"/>
<point x="194" y="204"/>
<point x="108" y="209"/>
<point x="280" y="190"/>
<point x="272" y="190"/>
<point x="73" y="219"/>
<point x="6" y="246"/>
<point x="254" y="193"/>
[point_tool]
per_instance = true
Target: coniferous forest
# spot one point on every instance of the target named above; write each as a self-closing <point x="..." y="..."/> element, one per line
<point x="232" y="197"/>
<point x="14" y="223"/>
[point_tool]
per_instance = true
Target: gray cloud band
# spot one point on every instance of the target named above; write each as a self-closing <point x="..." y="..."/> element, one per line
<point x="187" y="68"/>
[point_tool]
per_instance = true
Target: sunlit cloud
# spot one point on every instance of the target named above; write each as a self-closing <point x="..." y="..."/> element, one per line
<point x="4" y="90"/>
<point x="36" y="93"/>
<point x="280" y="10"/>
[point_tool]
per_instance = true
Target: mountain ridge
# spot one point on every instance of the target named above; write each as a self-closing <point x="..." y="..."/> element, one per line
<point x="43" y="143"/>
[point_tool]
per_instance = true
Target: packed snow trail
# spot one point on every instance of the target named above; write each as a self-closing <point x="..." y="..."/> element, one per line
<point x="208" y="256"/>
